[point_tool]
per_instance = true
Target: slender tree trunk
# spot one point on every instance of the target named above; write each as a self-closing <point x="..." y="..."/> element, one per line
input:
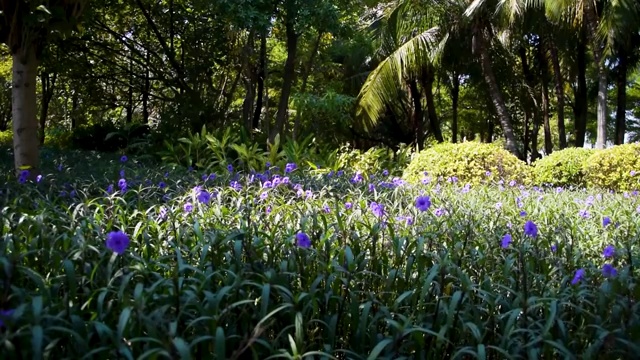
<point x="428" y="77"/>
<point x="559" y="87"/>
<point x="418" y="114"/>
<point x="146" y="91"/>
<point x="496" y="95"/>
<point x="455" y="93"/>
<point x="548" y="144"/>
<point x="287" y="80"/>
<point x="74" y="110"/>
<point x="621" y="87"/>
<point x="48" y="82"/>
<point x="591" y="23"/>
<point x="580" y="109"/>
<point x="24" y="109"/>
<point x="544" y="78"/>
<point x="261" y="75"/>
<point x="130" y="95"/>
<point x="526" y="134"/>
<point x="247" y="104"/>
<point x="305" y="78"/>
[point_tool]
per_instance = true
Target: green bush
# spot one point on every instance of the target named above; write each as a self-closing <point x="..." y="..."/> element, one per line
<point x="6" y="138"/>
<point x="563" y="168"/>
<point x="470" y="162"/>
<point x="613" y="168"/>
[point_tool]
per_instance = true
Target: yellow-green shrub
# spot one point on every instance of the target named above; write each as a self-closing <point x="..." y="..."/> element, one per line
<point x="469" y="162"/>
<point x="612" y="168"/>
<point x="6" y="138"/>
<point x="562" y="168"/>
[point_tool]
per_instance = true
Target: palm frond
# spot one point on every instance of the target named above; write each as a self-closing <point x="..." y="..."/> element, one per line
<point x="383" y="83"/>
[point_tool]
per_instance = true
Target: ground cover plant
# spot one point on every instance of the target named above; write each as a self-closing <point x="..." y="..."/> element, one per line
<point x="110" y="257"/>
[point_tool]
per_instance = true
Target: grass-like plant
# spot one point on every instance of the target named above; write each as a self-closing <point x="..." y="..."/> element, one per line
<point x="106" y="258"/>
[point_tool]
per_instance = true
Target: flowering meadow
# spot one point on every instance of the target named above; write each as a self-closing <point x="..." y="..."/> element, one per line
<point x="107" y="257"/>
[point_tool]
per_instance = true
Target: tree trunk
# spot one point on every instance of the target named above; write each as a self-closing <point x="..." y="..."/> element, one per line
<point x="542" y="59"/>
<point x="428" y="77"/>
<point x="23" y="106"/>
<point x="591" y="23"/>
<point x="621" y="108"/>
<point x="455" y="93"/>
<point x="496" y="95"/>
<point x="130" y="95"/>
<point x="580" y="109"/>
<point x="261" y="75"/>
<point x="559" y="87"/>
<point x="548" y="144"/>
<point x="305" y="78"/>
<point x="287" y="80"/>
<point x="526" y="134"/>
<point x="418" y="114"/>
<point x="532" y="115"/>
<point x="48" y="85"/>
<point x="146" y="91"/>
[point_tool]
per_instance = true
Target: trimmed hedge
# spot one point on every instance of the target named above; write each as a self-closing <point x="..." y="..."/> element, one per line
<point x="614" y="168"/>
<point x="563" y="168"/>
<point x="470" y="162"/>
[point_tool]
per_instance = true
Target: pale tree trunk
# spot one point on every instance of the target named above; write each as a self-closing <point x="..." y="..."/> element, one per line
<point x="621" y="87"/>
<point x="592" y="21"/>
<point x="24" y="110"/>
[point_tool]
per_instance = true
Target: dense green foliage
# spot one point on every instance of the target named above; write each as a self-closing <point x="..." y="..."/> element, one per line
<point x="469" y="162"/>
<point x="224" y="276"/>
<point x="563" y="168"/>
<point x="615" y="168"/>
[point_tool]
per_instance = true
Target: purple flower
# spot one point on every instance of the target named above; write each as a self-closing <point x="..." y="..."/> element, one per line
<point x="512" y="183"/>
<point x="423" y="203"/>
<point x="122" y="184"/>
<point x="188" y="207"/>
<point x="523" y="213"/>
<point x="487" y="173"/>
<point x="290" y="167"/>
<point x="385" y="172"/>
<point x="439" y="212"/>
<point x="554" y="247"/>
<point x="309" y="194"/>
<point x="38" y="178"/>
<point x="632" y="173"/>
<point x="584" y="214"/>
<point x="326" y="208"/>
<point x="122" y="173"/>
<point x="162" y="185"/>
<point x="204" y="196"/>
<point x="606" y="221"/>
<point x="212" y="176"/>
<point x="498" y="205"/>
<point x="110" y="189"/>
<point x="426" y="180"/>
<point x="267" y="184"/>
<point x="371" y="187"/>
<point x="506" y="240"/>
<point x="348" y="205"/>
<point x="530" y="229"/>
<point x="163" y="213"/>
<point x="409" y="220"/>
<point x="123" y="158"/>
<point x="235" y="185"/>
<point x="268" y="210"/>
<point x="302" y="240"/>
<point x="609" y="251"/>
<point x="357" y="178"/>
<point x="377" y="209"/>
<point x="230" y="168"/>
<point x="4" y="315"/>
<point x="117" y="241"/>
<point x="579" y="275"/>
<point x="609" y="271"/>
<point x="264" y="195"/>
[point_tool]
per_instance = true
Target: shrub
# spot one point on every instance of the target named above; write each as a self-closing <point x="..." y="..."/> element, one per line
<point x="6" y="138"/>
<point x="94" y="137"/>
<point x="613" y="168"/>
<point x="470" y="162"/>
<point x="563" y="168"/>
